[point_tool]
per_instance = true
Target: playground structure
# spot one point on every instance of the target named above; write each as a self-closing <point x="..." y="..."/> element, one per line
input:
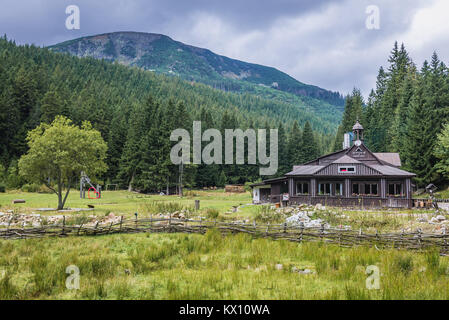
<point x="84" y="182"/>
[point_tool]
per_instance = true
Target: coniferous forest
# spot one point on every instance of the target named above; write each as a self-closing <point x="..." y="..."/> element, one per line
<point x="135" y="112"/>
<point x="406" y="113"/>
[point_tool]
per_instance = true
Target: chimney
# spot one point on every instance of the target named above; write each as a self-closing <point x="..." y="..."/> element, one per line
<point x="346" y="140"/>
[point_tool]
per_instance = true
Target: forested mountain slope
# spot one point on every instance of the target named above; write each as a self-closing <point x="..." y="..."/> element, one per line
<point x="123" y="103"/>
<point x="164" y="55"/>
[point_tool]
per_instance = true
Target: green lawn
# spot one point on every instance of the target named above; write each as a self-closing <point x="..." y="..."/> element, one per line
<point x="126" y="203"/>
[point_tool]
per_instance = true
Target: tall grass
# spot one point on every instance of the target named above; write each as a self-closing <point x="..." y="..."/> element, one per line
<point x="210" y="266"/>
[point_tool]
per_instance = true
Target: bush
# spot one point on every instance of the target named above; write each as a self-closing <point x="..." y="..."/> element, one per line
<point x="2" y="187"/>
<point x="13" y="179"/>
<point x="265" y="214"/>
<point x="30" y="187"/>
<point x="34" y="187"/>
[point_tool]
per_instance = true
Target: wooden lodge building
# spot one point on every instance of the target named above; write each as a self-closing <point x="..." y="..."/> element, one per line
<point x="352" y="177"/>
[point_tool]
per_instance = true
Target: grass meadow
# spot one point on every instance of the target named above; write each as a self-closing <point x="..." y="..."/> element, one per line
<point x="193" y="266"/>
<point x="127" y="203"/>
<point x="181" y="266"/>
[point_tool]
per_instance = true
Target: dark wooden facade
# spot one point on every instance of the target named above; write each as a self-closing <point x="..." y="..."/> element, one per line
<point x="353" y="177"/>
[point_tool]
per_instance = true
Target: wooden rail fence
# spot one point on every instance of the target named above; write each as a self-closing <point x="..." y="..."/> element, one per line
<point x="345" y="238"/>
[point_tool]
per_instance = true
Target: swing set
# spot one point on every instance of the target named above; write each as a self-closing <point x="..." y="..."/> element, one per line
<point x="92" y="192"/>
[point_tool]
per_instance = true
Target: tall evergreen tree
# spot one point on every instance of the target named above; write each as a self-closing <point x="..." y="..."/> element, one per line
<point x="309" y="148"/>
<point x="294" y="146"/>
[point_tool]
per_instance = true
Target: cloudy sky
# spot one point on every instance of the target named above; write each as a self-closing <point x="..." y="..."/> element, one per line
<point x="320" y="42"/>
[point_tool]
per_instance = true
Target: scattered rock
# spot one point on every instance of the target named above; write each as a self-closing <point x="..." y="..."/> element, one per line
<point x="305" y="271"/>
<point x="441" y="218"/>
<point x="302" y="271"/>
<point x="434" y="220"/>
<point x="303" y="217"/>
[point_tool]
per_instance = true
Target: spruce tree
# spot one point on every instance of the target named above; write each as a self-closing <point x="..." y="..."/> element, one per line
<point x="309" y="149"/>
<point x="294" y="146"/>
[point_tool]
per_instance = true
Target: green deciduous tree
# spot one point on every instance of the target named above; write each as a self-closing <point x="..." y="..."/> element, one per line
<point x="59" y="152"/>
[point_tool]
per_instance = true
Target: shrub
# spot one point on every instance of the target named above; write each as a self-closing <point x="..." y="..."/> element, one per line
<point x="30" y="187"/>
<point x="13" y="179"/>
<point x="2" y="187"/>
<point x="265" y="214"/>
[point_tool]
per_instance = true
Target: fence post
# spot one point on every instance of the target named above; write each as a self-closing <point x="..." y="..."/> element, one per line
<point x="266" y="231"/>
<point x="63" y="225"/>
<point x="402" y="238"/>
<point x="197" y="204"/>
<point x="301" y="225"/>
<point x="419" y="238"/>
<point x="169" y="222"/>
<point x="322" y="231"/>
<point x="201" y="224"/>
<point x="121" y="222"/>
<point x="96" y="226"/>
<point x="339" y="236"/>
<point x="285" y="227"/>
<point x="79" y="229"/>
<point x="444" y="239"/>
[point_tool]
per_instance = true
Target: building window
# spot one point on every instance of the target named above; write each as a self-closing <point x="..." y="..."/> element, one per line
<point x="339" y="189"/>
<point x="346" y="169"/>
<point x="371" y="189"/>
<point x="324" y="189"/>
<point x="355" y="189"/>
<point x="302" y="188"/>
<point x="395" y="189"/>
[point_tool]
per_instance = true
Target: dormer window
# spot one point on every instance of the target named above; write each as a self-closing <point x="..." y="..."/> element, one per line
<point x="346" y="169"/>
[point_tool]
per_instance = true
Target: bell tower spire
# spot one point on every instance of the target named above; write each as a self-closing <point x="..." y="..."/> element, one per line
<point x="358" y="131"/>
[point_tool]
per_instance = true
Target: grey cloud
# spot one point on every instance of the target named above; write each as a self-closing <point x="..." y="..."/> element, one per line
<point x="318" y="42"/>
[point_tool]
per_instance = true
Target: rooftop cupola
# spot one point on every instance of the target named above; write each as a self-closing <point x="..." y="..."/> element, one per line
<point x="358" y="131"/>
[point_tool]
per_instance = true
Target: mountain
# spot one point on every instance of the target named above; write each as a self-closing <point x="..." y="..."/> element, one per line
<point x="160" y="53"/>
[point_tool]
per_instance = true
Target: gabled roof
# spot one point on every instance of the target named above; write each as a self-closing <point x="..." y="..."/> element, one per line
<point x="387" y="170"/>
<point x="389" y="157"/>
<point x="346" y="160"/>
<point x="304" y="170"/>
<point x="367" y="162"/>
<point x="327" y="155"/>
